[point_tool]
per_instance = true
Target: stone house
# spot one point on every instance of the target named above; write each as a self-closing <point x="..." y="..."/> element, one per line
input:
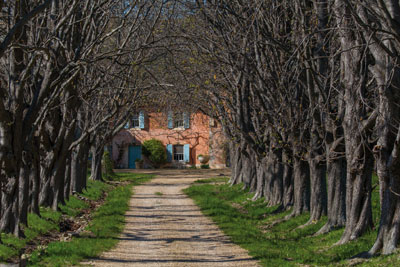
<point x="185" y="137"/>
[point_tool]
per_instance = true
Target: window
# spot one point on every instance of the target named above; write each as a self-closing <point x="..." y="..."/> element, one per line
<point x="178" y="153"/>
<point x="135" y="121"/>
<point x="178" y="120"/>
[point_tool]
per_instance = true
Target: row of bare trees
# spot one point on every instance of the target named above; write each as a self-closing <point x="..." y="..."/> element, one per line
<point x="308" y="94"/>
<point x="71" y="73"/>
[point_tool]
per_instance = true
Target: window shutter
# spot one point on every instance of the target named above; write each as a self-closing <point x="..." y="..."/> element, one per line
<point x="186" y="120"/>
<point x="169" y="153"/>
<point x="186" y="153"/>
<point x="170" y="120"/>
<point x="141" y="120"/>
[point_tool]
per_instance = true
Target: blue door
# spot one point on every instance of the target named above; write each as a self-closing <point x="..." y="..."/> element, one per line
<point x="135" y="152"/>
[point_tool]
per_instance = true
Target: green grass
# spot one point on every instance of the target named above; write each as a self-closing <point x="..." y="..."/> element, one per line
<point x="73" y="206"/>
<point x="134" y="178"/>
<point x="107" y="224"/>
<point x="158" y="193"/>
<point x="11" y="246"/>
<point x="94" y="191"/>
<point x="248" y="223"/>
<point x="212" y="180"/>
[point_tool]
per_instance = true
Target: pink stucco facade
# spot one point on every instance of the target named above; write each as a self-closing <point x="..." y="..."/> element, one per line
<point x="203" y="138"/>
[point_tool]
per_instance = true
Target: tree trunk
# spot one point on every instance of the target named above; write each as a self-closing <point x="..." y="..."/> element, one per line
<point x="388" y="162"/>
<point x="359" y="175"/>
<point x="79" y="166"/>
<point x="23" y="195"/>
<point x="301" y="178"/>
<point x="358" y="156"/>
<point x="318" y="197"/>
<point x="45" y="193"/>
<point x="273" y="189"/>
<point x="9" y="205"/>
<point x="97" y="155"/>
<point x="386" y="72"/>
<point x="236" y="161"/>
<point x="54" y="166"/>
<point x="67" y="178"/>
<point x="84" y="163"/>
<point x="359" y="172"/>
<point x="336" y="173"/>
<point x="57" y="183"/>
<point x="387" y="151"/>
<point x="260" y="170"/>
<point x="287" y="181"/>
<point x="358" y="202"/>
<point x="35" y="187"/>
<point x="76" y="178"/>
<point x="249" y="170"/>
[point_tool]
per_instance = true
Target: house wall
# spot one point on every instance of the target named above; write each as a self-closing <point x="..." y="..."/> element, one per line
<point x="202" y="139"/>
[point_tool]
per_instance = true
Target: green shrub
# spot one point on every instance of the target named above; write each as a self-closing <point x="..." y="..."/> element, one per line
<point x="108" y="165"/>
<point x="205" y="166"/>
<point x="154" y="150"/>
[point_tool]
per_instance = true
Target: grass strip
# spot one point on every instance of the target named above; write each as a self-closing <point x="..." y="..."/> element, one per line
<point x="107" y="223"/>
<point x="249" y="224"/>
<point x="50" y="220"/>
<point x="12" y="246"/>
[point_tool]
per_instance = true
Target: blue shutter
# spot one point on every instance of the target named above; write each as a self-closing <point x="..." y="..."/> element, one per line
<point x="170" y="120"/>
<point x="169" y="153"/>
<point x="141" y="120"/>
<point x="126" y="125"/>
<point x="186" y="153"/>
<point x="186" y="120"/>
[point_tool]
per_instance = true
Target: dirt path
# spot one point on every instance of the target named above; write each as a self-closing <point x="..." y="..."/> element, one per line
<point x="170" y="230"/>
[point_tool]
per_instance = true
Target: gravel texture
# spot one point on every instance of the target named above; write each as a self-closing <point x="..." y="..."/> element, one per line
<point x="165" y="228"/>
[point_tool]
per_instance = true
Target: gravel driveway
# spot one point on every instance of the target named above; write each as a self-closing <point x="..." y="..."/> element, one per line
<point x="165" y="228"/>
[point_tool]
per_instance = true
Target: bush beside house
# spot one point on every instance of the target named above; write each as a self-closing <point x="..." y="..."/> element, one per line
<point x="154" y="150"/>
<point x="108" y="165"/>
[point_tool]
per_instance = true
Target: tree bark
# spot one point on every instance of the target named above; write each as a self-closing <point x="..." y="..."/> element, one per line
<point x="336" y="173"/>
<point x="67" y="178"/>
<point x="79" y="161"/>
<point x="236" y="161"/>
<point x="387" y="150"/>
<point x="318" y="197"/>
<point x="249" y="173"/>
<point x="23" y="194"/>
<point x="388" y="162"/>
<point x="273" y="185"/>
<point x="301" y="179"/>
<point x="287" y="180"/>
<point x="56" y="183"/>
<point x="9" y="206"/>
<point x="35" y="186"/>
<point x="260" y="170"/>
<point x="358" y="156"/>
<point x="97" y="156"/>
